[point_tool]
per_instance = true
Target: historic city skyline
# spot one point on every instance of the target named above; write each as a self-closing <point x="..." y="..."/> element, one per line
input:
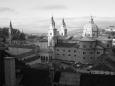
<point x="34" y="14"/>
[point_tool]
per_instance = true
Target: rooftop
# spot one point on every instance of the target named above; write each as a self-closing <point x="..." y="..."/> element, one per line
<point x="87" y="39"/>
<point x="67" y="45"/>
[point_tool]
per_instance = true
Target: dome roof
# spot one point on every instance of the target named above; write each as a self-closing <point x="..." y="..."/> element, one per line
<point x="90" y="29"/>
<point x="91" y="26"/>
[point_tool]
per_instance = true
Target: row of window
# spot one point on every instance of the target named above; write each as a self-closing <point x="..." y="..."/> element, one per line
<point x="83" y="52"/>
<point x="85" y="46"/>
<point x="76" y="55"/>
<point x="68" y="50"/>
<point x="46" y="58"/>
<point x="92" y="52"/>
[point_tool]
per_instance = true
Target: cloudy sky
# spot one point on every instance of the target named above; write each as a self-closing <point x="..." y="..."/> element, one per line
<point x="34" y="15"/>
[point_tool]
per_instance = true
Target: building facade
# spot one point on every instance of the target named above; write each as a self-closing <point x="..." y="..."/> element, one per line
<point x="87" y="50"/>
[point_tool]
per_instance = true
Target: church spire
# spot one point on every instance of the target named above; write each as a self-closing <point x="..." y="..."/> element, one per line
<point x="11" y="25"/>
<point x="63" y="23"/>
<point x="52" y="22"/>
<point x="63" y="30"/>
<point x="10" y="32"/>
<point x="91" y="21"/>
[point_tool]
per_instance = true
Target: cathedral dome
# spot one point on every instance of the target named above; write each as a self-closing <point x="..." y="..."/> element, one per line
<point x="90" y="29"/>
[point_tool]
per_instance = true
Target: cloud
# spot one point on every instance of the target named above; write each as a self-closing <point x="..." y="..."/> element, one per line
<point x="6" y="9"/>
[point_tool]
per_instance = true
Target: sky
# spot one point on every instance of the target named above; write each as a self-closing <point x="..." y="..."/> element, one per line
<point x="34" y="15"/>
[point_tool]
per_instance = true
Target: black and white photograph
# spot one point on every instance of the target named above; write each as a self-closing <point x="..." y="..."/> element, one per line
<point x="57" y="42"/>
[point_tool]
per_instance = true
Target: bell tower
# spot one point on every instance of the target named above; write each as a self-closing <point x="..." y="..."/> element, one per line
<point x="63" y="31"/>
<point x="52" y="33"/>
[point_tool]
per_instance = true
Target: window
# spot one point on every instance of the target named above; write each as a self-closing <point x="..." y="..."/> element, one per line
<point x="75" y="55"/>
<point x="98" y="52"/>
<point x="69" y="55"/>
<point x="57" y="49"/>
<point x="91" y="52"/>
<point x="84" y="52"/>
<point x="83" y="57"/>
<point x="90" y="46"/>
<point x="84" y="46"/>
<point x="57" y="54"/>
<point x="90" y="57"/>
<point x="69" y="51"/>
<point x="93" y="34"/>
<point x="63" y="50"/>
<point x="74" y="51"/>
<point x="50" y="58"/>
<point x="46" y="58"/>
<point x="50" y="33"/>
<point x="107" y="45"/>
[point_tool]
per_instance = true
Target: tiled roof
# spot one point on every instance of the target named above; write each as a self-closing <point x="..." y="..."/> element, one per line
<point x="67" y="45"/>
<point x="87" y="39"/>
<point x="107" y="65"/>
<point x="104" y="38"/>
<point x="43" y="40"/>
<point x="99" y="47"/>
<point x="101" y="67"/>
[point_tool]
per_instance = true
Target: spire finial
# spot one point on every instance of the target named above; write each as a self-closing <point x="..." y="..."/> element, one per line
<point x="92" y="22"/>
<point x="63" y="22"/>
<point x="11" y="25"/>
<point x="52" y="21"/>
<point x="10" y="32"/>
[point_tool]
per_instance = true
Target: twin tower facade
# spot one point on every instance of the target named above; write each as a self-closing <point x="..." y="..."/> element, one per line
<point x="54" y="33"/>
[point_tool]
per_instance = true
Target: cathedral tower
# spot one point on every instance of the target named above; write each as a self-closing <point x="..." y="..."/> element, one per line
<point x="63" y="31"/>
<point x="52" y="33"/>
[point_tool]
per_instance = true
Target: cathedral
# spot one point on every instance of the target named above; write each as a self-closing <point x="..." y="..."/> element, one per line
<point x="54" y="35"/>
<point x="87" y="50"/>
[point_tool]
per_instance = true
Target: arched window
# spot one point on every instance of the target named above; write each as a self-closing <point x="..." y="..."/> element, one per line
<point x="90" y="46"/>
<point x="83" y="57"/>
<point x="63" y="50"/>
<point x="57" y="54"/>
<point x="69" y="50"/>
<point x="57" y="49"/>
<point x="84" y="46"/>
<point x="91" y="52"/>
<point x="90" y="57"/>
<point x="84" y="52"/>
<point x="69" y="54"/>
<point x="98" y="52"/>
<point x="74" y="51"/>
<point x="46" y="58"/>
<point x="108" y="45"/>
<point x="50" y="57"/>
<point x="50" y="33"/>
